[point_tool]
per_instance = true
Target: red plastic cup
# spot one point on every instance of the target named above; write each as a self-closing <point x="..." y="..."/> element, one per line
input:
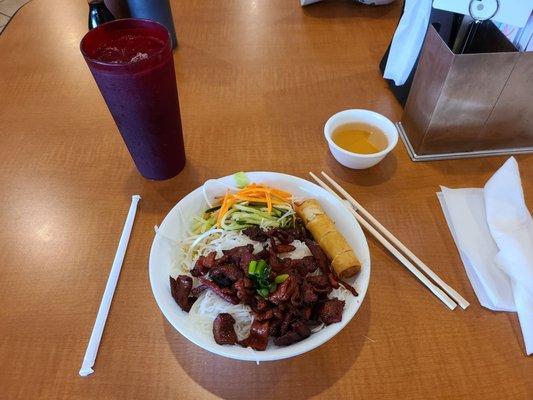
<point x="131" y="62"/>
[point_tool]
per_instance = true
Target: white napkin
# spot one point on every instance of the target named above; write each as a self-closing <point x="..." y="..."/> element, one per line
<point x="493" y="231"/>
<point x="408" y="40"/>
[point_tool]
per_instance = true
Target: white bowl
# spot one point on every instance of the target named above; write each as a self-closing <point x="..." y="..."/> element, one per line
<point x="355" y="160"/>
<point x="174" y="227"/>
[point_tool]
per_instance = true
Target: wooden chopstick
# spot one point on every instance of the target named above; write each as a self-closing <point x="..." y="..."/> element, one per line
<point x="463" y="303"/>
<point x="405" y="262"/>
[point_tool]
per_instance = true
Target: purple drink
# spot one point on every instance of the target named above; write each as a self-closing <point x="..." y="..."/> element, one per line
<point x="131" y="62"/>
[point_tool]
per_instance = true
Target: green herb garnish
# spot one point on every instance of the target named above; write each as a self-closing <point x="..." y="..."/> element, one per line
<point x="281" y="278"/>
<point x="259" y="272"/>
<point x="252" y="267"/>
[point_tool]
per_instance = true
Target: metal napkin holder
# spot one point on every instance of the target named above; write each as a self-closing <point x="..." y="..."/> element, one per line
<point x="469" y="105"/>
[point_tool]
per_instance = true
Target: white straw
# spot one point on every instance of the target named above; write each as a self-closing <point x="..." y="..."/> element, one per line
<point x="101" y="317"/>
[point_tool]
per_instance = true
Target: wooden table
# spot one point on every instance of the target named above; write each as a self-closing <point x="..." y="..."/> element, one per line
<point x="257" y="80"/>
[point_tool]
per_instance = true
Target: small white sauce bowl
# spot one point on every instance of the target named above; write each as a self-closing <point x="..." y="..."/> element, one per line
<point x="356" y="160"/>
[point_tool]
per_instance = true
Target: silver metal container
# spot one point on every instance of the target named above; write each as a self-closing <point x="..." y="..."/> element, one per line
<point x="468" y="105"/>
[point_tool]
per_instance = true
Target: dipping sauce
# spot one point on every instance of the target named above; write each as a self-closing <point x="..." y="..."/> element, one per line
<point x="359" y="138"/>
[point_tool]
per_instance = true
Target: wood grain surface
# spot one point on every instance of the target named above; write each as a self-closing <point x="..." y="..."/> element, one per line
<point x="257" y="80"/>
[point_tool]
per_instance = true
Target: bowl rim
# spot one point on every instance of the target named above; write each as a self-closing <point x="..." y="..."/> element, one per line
<point x="392" y="142"/>
<point x="283" y="352"/>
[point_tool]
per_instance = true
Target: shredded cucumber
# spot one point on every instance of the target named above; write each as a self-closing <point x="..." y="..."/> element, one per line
<point x="243" y="215"/>
<point x="241" y="180"/>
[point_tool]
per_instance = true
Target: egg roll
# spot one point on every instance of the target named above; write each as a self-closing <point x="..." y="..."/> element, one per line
<point x="343" y="260"/>
<point x="347" y="258"/>
<point x="309" y="210"/>
<point x="320" y="226"/>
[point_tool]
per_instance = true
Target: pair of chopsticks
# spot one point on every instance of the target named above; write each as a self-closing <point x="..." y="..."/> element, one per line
<point x="406" y="257"/>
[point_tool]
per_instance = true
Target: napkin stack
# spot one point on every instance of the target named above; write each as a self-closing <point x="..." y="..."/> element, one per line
<point x="493" y="231"/>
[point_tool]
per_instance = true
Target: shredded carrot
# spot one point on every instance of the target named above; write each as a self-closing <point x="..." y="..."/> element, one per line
<point x="277" y="192"/>
<point x="269" y="202"/>
<point x="259" y="189"/>
<point x="253" y="193"/>
<point x="227" y="202"/>
<point x="281" y="193"/>
<point x="276" y="199"/>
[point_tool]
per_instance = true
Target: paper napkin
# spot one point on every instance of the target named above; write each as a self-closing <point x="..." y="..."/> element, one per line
<point x="407" y="40"/>
<point x="493" y="231"/>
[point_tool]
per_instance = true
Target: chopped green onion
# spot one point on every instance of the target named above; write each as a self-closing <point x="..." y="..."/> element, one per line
<point x="259" y="272"/>
<point x="241" y="180"/>
<point x="261" y="265"/>
<point x="252" y="267"/>
<point x="273" y="287"/>
<point x="281" y="278"/>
